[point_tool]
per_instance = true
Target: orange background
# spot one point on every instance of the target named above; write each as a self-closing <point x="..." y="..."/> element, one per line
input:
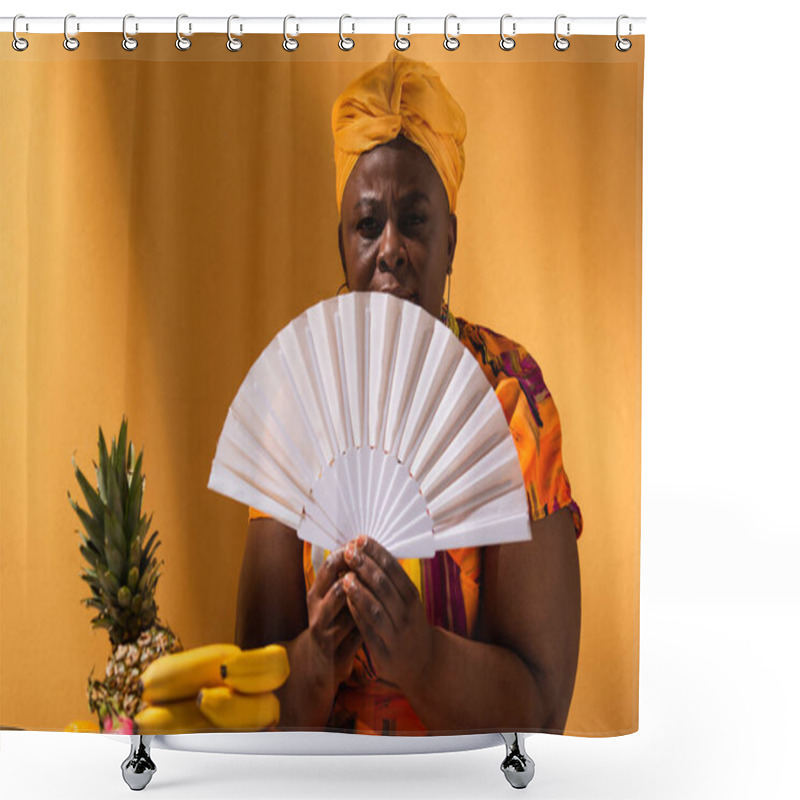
<point x="165" y="214"/>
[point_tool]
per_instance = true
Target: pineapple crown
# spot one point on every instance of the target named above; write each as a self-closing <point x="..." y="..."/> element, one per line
<point x="123" y="571"/>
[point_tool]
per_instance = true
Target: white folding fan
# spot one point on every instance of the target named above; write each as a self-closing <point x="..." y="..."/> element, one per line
<point x="365" y="414"/>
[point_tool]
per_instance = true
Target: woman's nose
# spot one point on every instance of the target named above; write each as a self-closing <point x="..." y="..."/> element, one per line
<point x="391" y="252"/>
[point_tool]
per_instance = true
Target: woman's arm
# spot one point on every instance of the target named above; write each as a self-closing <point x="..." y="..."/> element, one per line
<point x="271" y="607"/>
<point x="271" y="602"/>
<point x="522" y="673"/>
<point x="316" y="629"/>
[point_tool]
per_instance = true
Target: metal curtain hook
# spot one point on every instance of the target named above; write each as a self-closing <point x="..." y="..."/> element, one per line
<point x="70" y="42"/>
<point x="345" y="42"/>
<point x="561" y="43"/>
<point x="128" y="42"/>
<point x="506" y="42"/>
<point x="451" y="42"/>
<point x="623" y="45"/>
<point x="290" y="44"/>
<point x="182" y="43"/>
<point x="233" y="44"/>
<point x="17" y="43"/>
<point x="400" y="42"/>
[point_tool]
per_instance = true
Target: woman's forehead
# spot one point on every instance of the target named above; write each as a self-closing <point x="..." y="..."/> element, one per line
<point x="367" y="197"/>
<point x="406" y="173"/>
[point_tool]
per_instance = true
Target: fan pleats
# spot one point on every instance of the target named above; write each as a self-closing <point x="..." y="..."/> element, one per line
<point x="366" y="415"/>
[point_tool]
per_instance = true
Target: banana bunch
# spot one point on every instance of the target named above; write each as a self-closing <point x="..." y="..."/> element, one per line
<point x="217" y="686"/>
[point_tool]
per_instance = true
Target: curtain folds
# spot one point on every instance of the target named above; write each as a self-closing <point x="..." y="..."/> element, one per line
<point x="165" y="214"/>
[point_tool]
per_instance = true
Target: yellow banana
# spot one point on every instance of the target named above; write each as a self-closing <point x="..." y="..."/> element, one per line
<point x="228" y="709"/>
<point x="180" y="676"/>
<point x="256" y="671"/>
<point x="181" y="717"/>
<point x="82" y="726"/>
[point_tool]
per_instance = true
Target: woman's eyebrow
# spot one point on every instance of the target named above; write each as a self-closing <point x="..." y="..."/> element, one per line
<point x="413" y="196"/>
<point x="366" y="202"/>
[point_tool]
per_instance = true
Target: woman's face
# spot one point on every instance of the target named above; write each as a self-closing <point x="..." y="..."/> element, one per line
<point x="396" y="234"/>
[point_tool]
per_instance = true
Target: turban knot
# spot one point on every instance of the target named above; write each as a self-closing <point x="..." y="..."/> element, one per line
<point x="397" y="96"/>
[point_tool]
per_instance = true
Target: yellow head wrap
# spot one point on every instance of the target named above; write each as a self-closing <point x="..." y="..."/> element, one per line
<point x="397" y="96"/>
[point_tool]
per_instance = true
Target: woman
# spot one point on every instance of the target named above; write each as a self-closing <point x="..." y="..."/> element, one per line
<point x="475" y="639"/>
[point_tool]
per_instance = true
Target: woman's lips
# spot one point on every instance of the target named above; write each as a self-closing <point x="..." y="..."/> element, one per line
<point x="403" y="295"/>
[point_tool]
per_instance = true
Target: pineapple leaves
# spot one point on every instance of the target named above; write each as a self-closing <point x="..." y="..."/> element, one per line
<point x="114" y="498"/>
<point x="103" y="469"/>
<point x="92" y="526"/>
<point x="118" y="548"/>
<point x="90" y="554"/>
<point x="133" y="579"/>
<point x="108" y="583"/>
<point x="90" y="576"/>
<point x="135" y="554"/>
<point x="147" y="547"/>
<point x="118" y="462"/>
<point x="149" y="557"/>
<point x="114" y="549"/>
<point x="91" y="546"/>
<point x="93" y="500"/>
<point x="151" y="574"/>
<point x="133" y="505"/>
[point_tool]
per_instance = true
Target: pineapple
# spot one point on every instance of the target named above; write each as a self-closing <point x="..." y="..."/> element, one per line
<point x="122" y="575"/>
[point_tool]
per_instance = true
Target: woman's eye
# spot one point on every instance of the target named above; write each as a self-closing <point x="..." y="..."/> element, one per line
<point x="416" y="219"/>
<point x="368" y="224"/>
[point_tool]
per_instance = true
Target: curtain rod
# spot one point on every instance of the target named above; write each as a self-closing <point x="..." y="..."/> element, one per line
<point x="298" y="25"/>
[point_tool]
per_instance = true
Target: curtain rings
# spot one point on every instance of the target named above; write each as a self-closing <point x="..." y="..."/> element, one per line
<point x="234" y="44"/>
<point x="290" y="44"/>
<point x="70" y="42"/>
<point x="182" y="43"/>
<point x="507" y="42"/>
<point x="451" y="42"/>
<point x="128" y="42"/>
<point x="345" y="42"/>
<point x="623" y="45"/>
<point x="561" y="44"/>
<point x="400" y="42"/>
<point x="18" y="43"/>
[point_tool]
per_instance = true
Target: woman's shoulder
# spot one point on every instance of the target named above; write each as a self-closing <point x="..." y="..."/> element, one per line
<point x="502" y="357"/>
<point x="495" y="344"/>
<point x="532" y="417"/>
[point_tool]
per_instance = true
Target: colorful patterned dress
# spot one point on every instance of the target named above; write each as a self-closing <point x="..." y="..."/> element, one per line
<point x="449" y="584"/>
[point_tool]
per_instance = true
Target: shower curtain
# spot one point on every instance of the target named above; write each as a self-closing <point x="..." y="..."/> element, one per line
<point x="165" y="214"/>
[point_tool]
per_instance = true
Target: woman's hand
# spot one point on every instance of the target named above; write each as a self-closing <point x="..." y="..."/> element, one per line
<point x="388" y="611"/>
<point x="333" y="638"/>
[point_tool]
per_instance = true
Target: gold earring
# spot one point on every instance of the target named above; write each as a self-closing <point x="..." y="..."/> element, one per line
<point x="449" y="271"/>
<point x="446" y="308"/>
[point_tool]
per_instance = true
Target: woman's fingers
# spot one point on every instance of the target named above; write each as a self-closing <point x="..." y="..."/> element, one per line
<point x="369" y="614"/>
<point x="330" y="606"/>
<point x="386" y="607"/>
<point x="378" y="570"/>
<point x="343" y="625"/>
<point x="349" y="646"/>
<point x="346" y="652"/>
<point x="385" y="562"/>
<point x="328" y="573"/>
